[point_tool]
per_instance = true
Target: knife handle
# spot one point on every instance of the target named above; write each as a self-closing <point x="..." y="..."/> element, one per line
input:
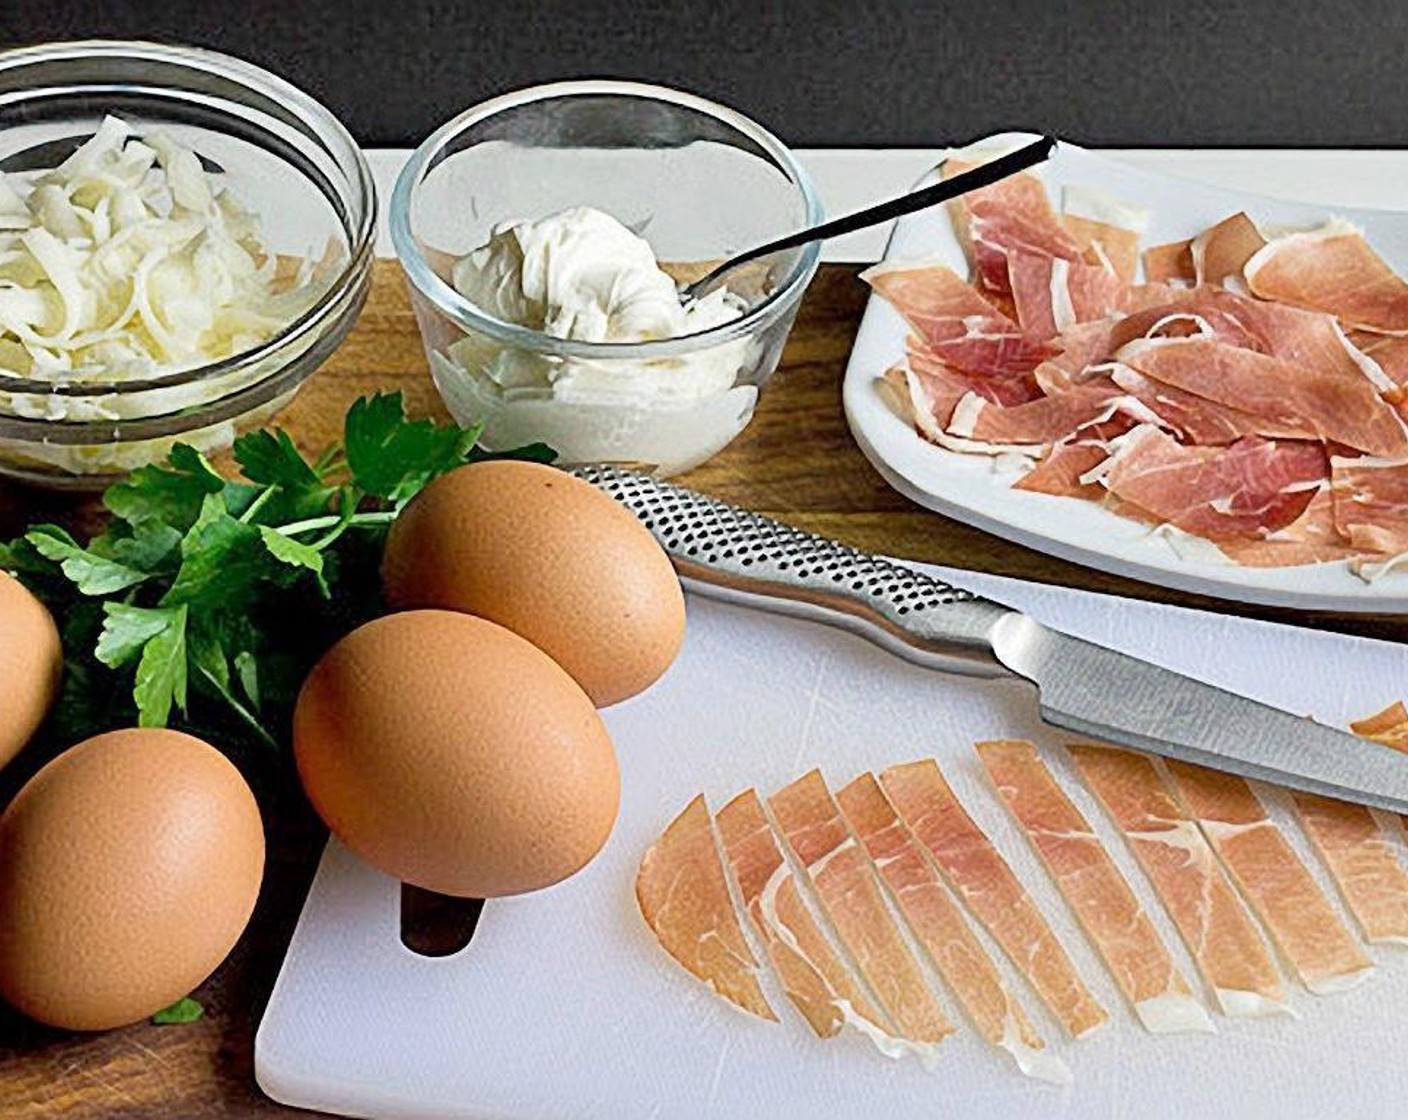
<point x="729" y="553"/>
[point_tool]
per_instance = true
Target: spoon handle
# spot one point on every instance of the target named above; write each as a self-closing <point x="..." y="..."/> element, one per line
<point x="984" y="176"/>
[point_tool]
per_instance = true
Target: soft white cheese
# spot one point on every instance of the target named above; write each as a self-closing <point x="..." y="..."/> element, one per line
<point x="582" y="275"/>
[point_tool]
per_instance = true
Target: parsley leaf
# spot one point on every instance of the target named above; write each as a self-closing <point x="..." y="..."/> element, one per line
<point x="270" y="458"/>
<point x="127" y="630"/>
<point x="221" y="558"/>
<point x="295" y="553"/>
<point x="90" y="573"/>
<point x="179" y="1013"/>
<point x="393" y="458"/>
<point x="172" y="493"/>
<point x="161" y="673"/>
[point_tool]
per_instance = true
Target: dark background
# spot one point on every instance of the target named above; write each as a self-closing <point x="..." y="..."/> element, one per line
<point x="1297" y="73"/>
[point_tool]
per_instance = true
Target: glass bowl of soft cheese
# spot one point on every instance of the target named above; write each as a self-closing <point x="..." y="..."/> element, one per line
<point x="184" y="239"/>
<point x="545" y="235"/>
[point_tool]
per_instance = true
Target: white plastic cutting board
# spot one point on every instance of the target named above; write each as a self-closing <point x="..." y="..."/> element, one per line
<point x="564" y="1006"/>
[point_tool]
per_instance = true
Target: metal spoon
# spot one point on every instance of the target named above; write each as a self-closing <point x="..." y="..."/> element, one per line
<point x="984" y="176"/>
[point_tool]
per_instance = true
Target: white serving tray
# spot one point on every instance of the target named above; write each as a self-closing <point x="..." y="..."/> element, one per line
<point x="563" y="1005"/>
<point x="970" y="489"/>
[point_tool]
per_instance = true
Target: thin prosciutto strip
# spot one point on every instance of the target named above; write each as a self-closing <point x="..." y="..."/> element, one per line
<point x="845" y="885"/>
<point x="1332" y="269"/>
<point x="1389" y="727"/>
<point x="1247" y="490"/>
<point x="815" y="979"/>
<point x="1360" y="859"/>
<point x="1094" y="889"/>
<point x="1319" y="947"/>
<point x="1204" y="906"/>
<point x="1341" y="409"/>
<point x="940" y="929"/>
<point x="684" y="899"/>
<point x="991" y="891"/>
<point x="959" y="326"/>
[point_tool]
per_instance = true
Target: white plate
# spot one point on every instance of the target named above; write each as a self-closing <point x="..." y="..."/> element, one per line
<point x="968" y="488"/>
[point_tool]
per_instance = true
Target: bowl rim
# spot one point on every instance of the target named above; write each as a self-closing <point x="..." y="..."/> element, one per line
<point x="472" y="318"/>
<point x="307" y="108"/>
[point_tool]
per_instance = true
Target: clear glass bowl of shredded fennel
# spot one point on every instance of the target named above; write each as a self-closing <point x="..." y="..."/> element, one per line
<point x="184" y="239"/>
<point x="543" y="234"/>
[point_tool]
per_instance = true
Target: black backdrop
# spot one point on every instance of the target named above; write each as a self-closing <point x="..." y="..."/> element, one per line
<point x="1114" y="72"/>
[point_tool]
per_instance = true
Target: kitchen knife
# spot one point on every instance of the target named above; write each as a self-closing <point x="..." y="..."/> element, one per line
<point x="726" y="552"/>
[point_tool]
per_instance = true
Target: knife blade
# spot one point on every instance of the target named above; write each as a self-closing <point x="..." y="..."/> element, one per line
<point x="726" y="552"/>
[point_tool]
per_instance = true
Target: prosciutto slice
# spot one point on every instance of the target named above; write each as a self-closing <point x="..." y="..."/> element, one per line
<point x="1197" y="420"/>
<point x="1342" y="409"/>
<point x="994" y="895"/>
<point x="1172" y="261"/>
<point x="1320" y="949"/>
<point x="1371" y="503"/>
<point x="1169" y="846"/>
<point x="845" y="885"/>
<point x="1306" y="338"/>
<point x="1052" y="294"/>
<point x="1310" y="539"/>
<point x="941" y="931"/>
<point x="1094" y="889"/>
<point x="1062" y="472"/>
<point x="1106" y="229"/>
<point x="1035" y="423"/>
<point x="1332" y="269"/>
<point x="1360" y="859"/>
<point x="1014" y="214"/>
<point x="1247" y="490"/>
<point x="684" y="899"/>
<point x="1220" y="253"/>
<point x="1390" y="354"/>
<point x="816" y="980"/>
<point x="958" y="326"/>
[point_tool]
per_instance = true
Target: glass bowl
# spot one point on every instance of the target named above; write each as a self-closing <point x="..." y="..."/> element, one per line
<point x="282" y="155"/>
<point x="697" y="180"/>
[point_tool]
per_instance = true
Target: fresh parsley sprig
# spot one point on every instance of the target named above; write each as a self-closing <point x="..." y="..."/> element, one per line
<point x="206" y="599"/>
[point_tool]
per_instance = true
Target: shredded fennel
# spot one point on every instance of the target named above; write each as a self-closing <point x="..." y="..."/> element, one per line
<point x="128" y="261"/>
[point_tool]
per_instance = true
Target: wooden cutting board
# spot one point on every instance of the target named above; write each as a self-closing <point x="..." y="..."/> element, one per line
<point x="563" y="1005"/>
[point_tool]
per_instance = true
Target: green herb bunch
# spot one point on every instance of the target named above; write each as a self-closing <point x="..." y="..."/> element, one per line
<point x="206" y="600"/>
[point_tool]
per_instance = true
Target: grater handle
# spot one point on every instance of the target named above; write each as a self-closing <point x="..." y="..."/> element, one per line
<point x="729" y="553"/>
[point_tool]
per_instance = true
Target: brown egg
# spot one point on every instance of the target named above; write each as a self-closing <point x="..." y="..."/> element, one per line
<point x="31" y="662"/>
<point x="129" y="867"/>
<point x="549" y="556"/>
<point x="454" y="755"/>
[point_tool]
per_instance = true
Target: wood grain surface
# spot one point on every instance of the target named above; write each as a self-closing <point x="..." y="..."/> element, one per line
<point x="795" y="462"/>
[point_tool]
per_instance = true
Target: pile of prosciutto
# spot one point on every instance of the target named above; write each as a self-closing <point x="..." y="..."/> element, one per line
<point x="1245" y="387"/>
